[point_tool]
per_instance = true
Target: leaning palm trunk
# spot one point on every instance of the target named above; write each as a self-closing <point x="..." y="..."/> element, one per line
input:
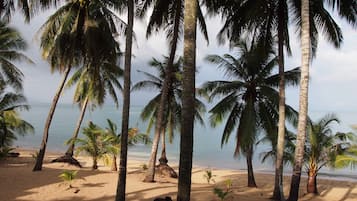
<point x="150" y="173"/>
<point x="249" y="157"/>
<point x="120" y="193"/>
<point x="188" y="98"/>
<point x="70" y="149"/>
<point x="278" y="193"/>
<point x="41" y="153"/>
<point x="68" y="157"/>
<point x="303" y="103"/>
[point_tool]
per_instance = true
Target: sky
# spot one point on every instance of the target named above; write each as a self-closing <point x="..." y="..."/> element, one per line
<point x="333" y="72"/>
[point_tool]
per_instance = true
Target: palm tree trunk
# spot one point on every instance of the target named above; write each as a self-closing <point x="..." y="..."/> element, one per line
<point x="249" y="157"/>
<point x="3" y="140"/>
<point x="278" y="192"/>
<point x="163" y="159"/>
<point x="95" y="163"/>
<point x="312" y="182"/>
<point x="114" y="163"/>
<point x="120" y="193"/>
<point x="188" y="98"/>
<point x="70" y="150"/>
<point x="303" y="103"/>
<point x="41" y="153"/>
<point x="150" y="173"/>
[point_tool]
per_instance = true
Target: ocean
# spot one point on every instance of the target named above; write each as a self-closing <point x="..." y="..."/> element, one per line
<point x="207" y="140"/>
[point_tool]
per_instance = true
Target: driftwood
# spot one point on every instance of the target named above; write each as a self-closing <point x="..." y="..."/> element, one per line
<point x="67" y="159"/>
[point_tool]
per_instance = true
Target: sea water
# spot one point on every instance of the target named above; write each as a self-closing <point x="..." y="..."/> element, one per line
<point x="208" y="151"/>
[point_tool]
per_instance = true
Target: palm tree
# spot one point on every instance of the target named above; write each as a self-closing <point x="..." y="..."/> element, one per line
<point x="11" y="123"/>
<point x="93" y="85"/>
<point x="349" y="157"/>
<point x="121" y="185"/>
<point x="323" y="147"/>
<point x="289" y="147"/>
<point x="11" y="43"/>
<point x="168" y="15"/>
<point x="303" y="100"/>
<point x="73" y="36"/>
<point x="188" y="97"/>
<point x="264" y="19"/>
<point x="172" y="116"/>
<point x="112" y="139"/>
<point x="249" y="99"/>
<point x="92" y="143"/>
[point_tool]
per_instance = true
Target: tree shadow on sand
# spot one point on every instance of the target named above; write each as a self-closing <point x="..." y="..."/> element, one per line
<point x="16" y="173"/>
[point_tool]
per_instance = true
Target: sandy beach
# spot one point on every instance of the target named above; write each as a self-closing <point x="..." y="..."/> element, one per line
<point x="18" y="182"/>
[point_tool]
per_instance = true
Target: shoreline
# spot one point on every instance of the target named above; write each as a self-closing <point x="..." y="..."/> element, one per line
<point x="321" y="175"/>
<point x="100" y="185"/>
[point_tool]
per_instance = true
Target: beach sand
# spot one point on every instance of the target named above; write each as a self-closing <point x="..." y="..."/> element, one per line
<point x="18" y="182"/>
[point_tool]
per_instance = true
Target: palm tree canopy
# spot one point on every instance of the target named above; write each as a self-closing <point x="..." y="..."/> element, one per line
<point x="81" y="33"/>
<point x="96" y="82"/>
<point x="163" y="16"/>
<point x="155" y="82"/>
<point x="249" y="98"/>
<point x="260" y="18"/>
<point x="11" y="45"/>
<point x="7" y="8"/>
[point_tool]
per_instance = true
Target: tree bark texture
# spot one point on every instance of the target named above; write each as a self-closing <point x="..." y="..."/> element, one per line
<point x="120" y="194"/>
<point x="188" y="99"/>
<point x="41" y="153"/>
<point x="249" y="157"/>
<point x="278" y="192"/>
<point x="70" y="149"/>
<point x="150" y="173"/>
<point x="303" y="103"/>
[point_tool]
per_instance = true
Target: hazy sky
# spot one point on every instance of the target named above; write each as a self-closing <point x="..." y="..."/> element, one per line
<point x="333" y="72"/>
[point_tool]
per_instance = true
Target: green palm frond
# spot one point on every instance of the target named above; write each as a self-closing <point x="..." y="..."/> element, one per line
<point x="249" y="100"/>
<point x="11" y="123"/>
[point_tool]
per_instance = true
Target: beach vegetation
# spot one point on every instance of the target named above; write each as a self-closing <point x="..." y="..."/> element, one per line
<point x="11" y="45"/>
<point x="349" y="157"/>
<point x="249" y="99"/>
<point x="208" y="175"/>
<point x="325" y="148"/>
<point x="79" y="33"/>
<point x="314" y="15"/>
<point x="172" y="117"/>
<point x="112" y="140"/>
<point x="91" y="144"/>
<point x="68" y="176"/>
<point x="222" y="194"/>
<point x="93" y="84"/>
<point x="11" y="123"/>
<point x="270" y="21"/>
<point x="167" y="15"/>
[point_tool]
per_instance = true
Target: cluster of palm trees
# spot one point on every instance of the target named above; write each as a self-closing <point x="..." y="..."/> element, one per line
<point x="105" y="143"/>
<point x="82" y="35"/>
<point x="12" y="99"/>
